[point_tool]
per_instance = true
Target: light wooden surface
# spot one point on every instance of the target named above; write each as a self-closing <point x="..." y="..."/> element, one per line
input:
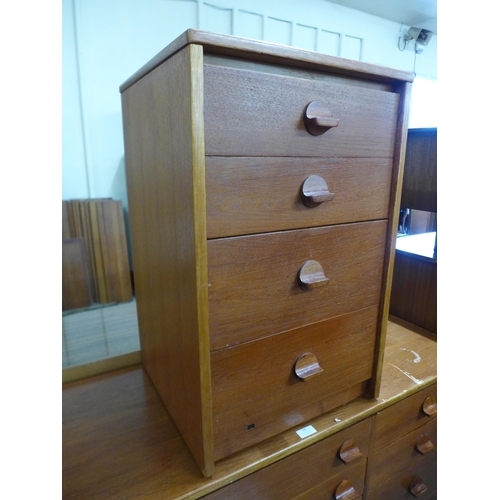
<point x="120" y="442"/>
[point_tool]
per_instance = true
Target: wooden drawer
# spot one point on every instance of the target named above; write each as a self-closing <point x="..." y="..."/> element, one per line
<point x="398" y="486"/>
<point x="408" y="450"/>
<point x="253" y="280"/>
<point x="404" y="417"/>
<point x="248" y="113"/>
<point x="350" y="482"/>
<point x="257" y="195"/>
<point x="256" y="392"/>
<point x="305" y="470"/>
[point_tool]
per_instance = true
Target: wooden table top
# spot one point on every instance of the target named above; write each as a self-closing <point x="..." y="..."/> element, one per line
<point x="119" y="441"/>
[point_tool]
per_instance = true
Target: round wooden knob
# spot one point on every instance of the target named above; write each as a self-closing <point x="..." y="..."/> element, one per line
<point x="429" y="406"/>
<point x="424" y="444"/>
<point x="311" y="275"/>
<point x="349" y="451"/>
<point x="417" y="486"/>
<point x="307" y="366"/>
<point x="318" y="119"/>
<point x="345" y="491"/>
<point x="314" y="191"/>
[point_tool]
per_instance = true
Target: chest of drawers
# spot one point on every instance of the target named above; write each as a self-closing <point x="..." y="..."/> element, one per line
<point x="262" y="186"/>
<point x="404" y="449"/>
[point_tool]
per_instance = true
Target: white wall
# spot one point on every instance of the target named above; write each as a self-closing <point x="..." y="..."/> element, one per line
<point x="106" y="41"/>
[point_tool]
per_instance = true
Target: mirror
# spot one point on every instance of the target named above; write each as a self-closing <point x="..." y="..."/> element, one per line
<point x="417" y="232"/>
<point x="99" y="315"/>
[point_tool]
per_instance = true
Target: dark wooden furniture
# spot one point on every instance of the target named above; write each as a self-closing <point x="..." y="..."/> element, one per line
<point x="420" y="172"/>
<point x="414" y="289"/>
<point x="262" y="182"/>
<point x="120" y="442"/>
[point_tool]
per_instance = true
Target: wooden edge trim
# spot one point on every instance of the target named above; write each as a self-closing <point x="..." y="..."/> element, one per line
<point x="404" y="89"/>
<point x="272" y="52"/>
<point x="75" y="373"/>
<point x="200" y="229"/>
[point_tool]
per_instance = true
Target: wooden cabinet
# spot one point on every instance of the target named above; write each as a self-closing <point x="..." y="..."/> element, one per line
<point x="404" y="449"/>
<point x="263" y="183"/>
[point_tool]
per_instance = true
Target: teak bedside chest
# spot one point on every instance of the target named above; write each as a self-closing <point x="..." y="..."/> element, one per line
<point x="263" y="183"/>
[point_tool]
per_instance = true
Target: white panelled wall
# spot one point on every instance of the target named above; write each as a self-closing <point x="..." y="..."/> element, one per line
<point x="106" y="41"/>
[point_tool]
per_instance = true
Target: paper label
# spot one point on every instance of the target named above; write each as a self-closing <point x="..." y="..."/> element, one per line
<point x="306" y="431"/>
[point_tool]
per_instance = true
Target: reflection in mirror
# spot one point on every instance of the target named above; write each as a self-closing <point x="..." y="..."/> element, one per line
<point x="99" y="313"/>
<point x="99" y="332"/>
<point x="417" y="232"/>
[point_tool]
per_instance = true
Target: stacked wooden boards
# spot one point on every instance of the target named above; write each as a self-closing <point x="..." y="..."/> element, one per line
<point x="99" y="226"/>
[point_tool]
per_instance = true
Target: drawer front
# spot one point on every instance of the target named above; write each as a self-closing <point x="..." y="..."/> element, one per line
<point x="305" y="470"/>
<point x="349" y="482"/>
<point x="404" y="417"/>
<point x="406" y="451"/>
<point x="254" y="288"/>
<point x="258" y="389"/>
<point x="256" y="114"/>
<point x="421" y="477"/>
<point x="256" y="195"/>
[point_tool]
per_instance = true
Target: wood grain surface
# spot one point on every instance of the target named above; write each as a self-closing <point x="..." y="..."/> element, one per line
<point x="397" y="487"/>
<point x="304" y="471"/>
<point x="256" y="195"/>
<point x="397" y="421"/>
<point x="253" y="285"/>
<point x="404" y="91"/>
<point x="420" y="171"/>
<point x="258" y="114"/>
<point x="165" y="166"/>
<point x="256" y="393"/>
<point x="402" y="453"/>
<point x="414" y="290"/>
